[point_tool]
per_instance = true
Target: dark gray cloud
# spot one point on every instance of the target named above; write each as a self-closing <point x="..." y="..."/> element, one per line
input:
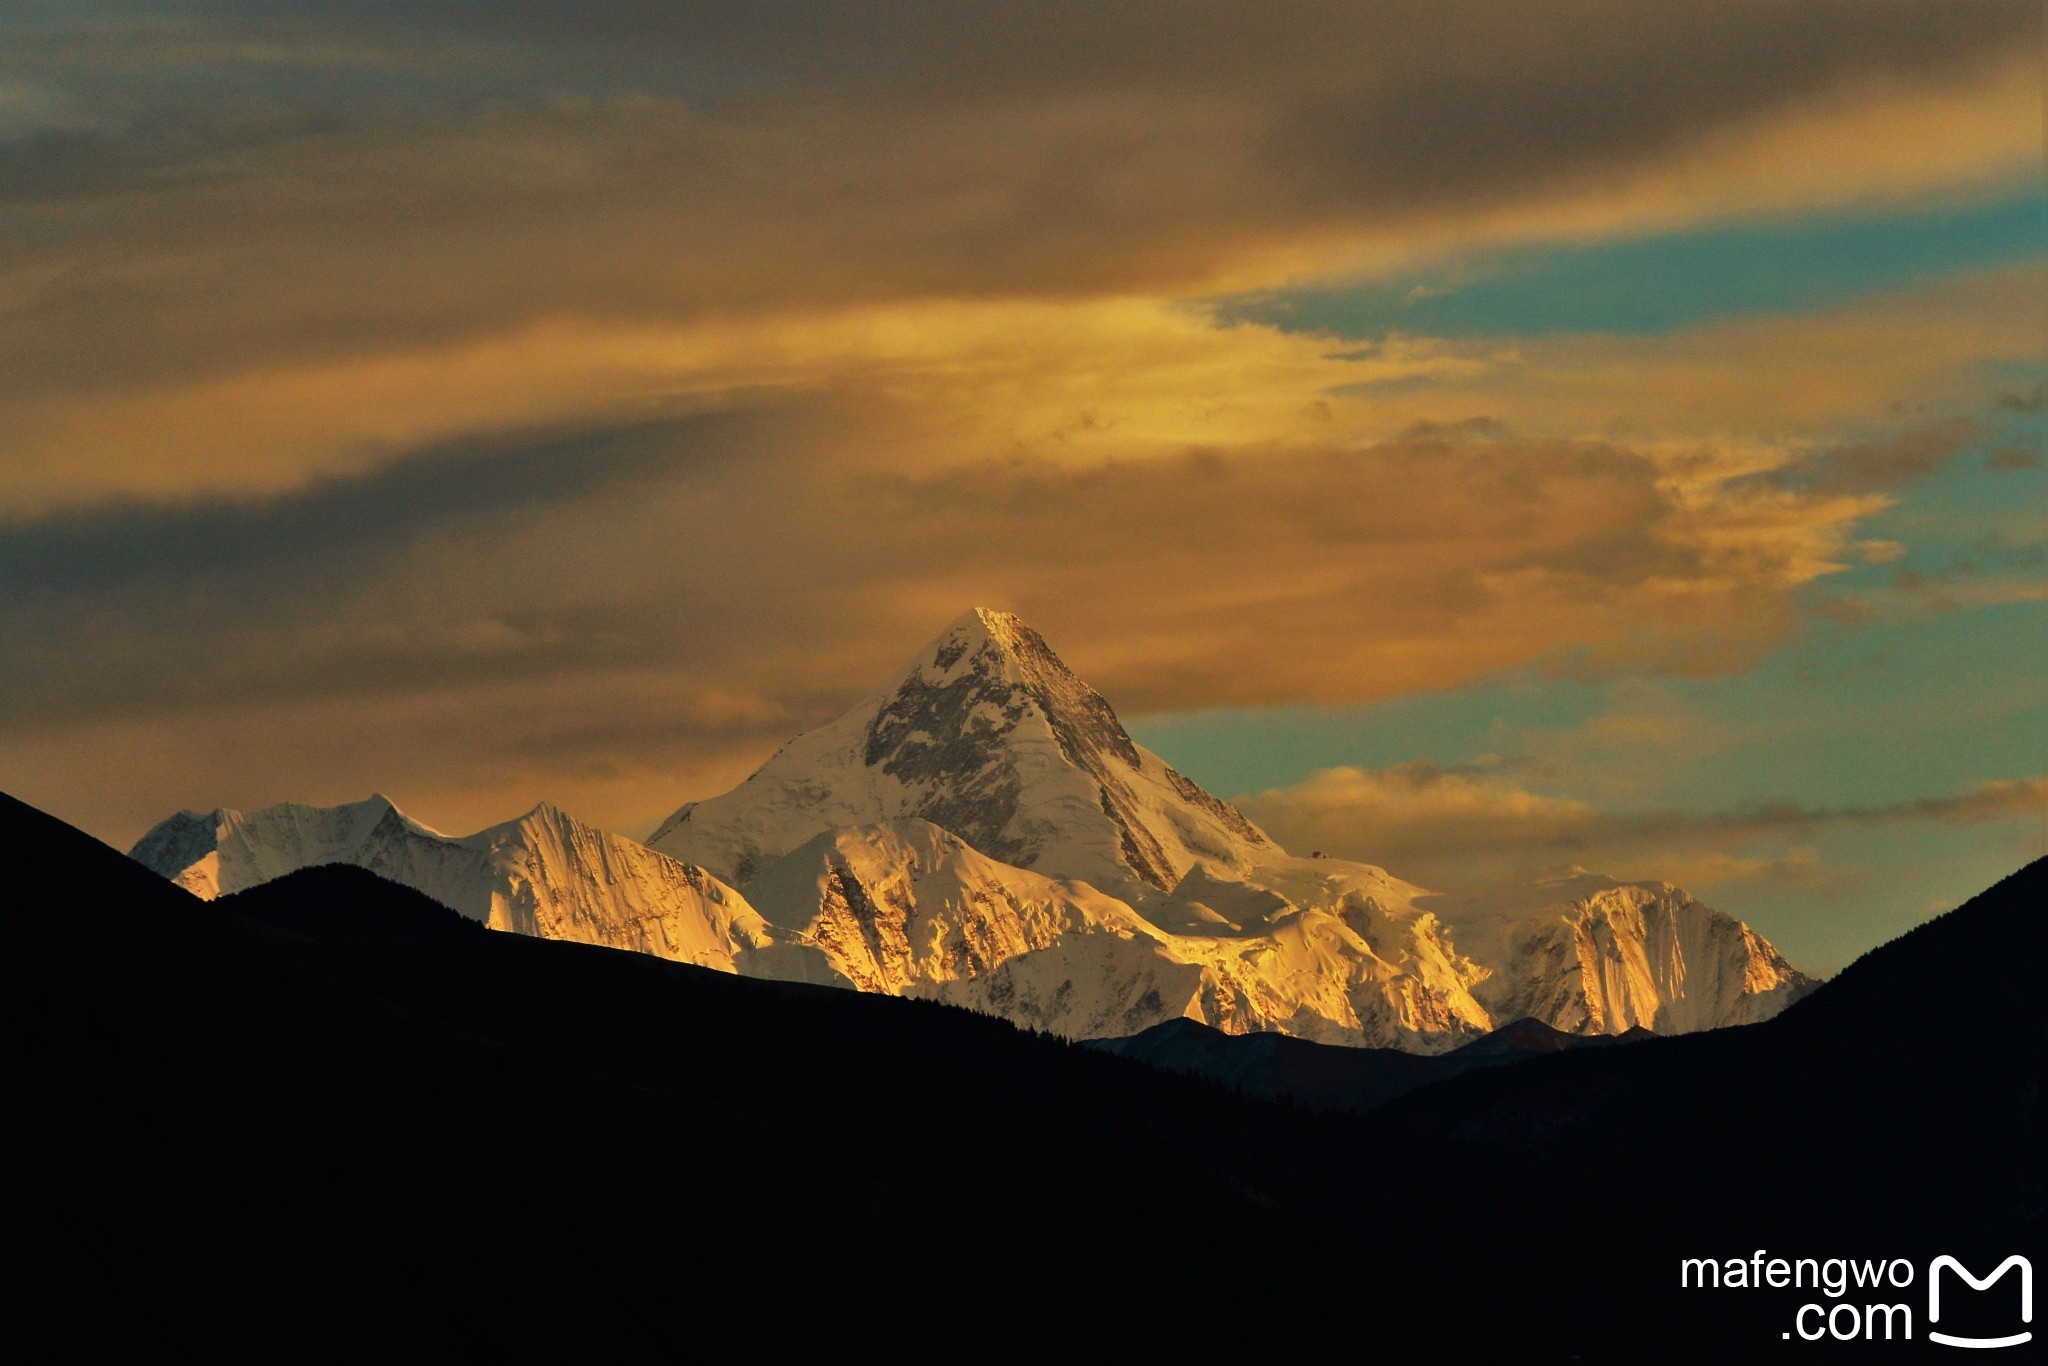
<point x="308" y="179"/>
<point x="919" y="51"/>
<point x="1509" y="97"/>
<point x="749" y="549"/>
<point x="173" y="146"/>
<point x="120" y="545"/>
<point x="2026" y="401"/>
<point x="1882" y="465"/>
<point x="389" y="581"/>
<point x="57" y="163"/>
<point x="1404" y="96"/>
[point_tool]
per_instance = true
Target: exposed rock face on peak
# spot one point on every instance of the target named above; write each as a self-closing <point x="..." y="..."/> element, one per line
<point x="1593" y="955"/>
<point x="988" y="735"/>
<point x="545" y="874"/>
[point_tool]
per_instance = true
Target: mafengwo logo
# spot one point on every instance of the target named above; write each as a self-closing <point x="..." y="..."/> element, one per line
<point x="1880" y="1314"/>
<point x="1946" y="1263"/>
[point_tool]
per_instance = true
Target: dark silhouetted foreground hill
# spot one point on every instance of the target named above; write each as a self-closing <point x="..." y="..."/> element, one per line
<point x="1896" y="1112"/>
<point x="328" y="1113"/>
<point x="326" y="1119"/>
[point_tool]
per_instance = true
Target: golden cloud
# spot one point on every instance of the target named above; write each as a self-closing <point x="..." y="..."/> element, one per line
<point x="319" y="404"/>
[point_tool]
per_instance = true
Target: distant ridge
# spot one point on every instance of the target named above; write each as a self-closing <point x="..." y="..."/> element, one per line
<point x="1354" y="1080"/>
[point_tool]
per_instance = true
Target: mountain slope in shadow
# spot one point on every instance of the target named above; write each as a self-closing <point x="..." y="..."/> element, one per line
<point x="330" y="1117"/>
<point x="1330" y="1077"/>
<point x="1895" y="1112"/>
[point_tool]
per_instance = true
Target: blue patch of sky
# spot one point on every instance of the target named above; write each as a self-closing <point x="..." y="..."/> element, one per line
<point x="314" y="79"/>
<point x="1848" y="714"/>
<point x="1979" y="518"/>
<point x="1873" y="883"/>
<point x="1650" y="285"/>
<point x="1922" y="700"/>
<point x="1844" y="716"/>
<point x="1857" y="716"/>
<point x="1855" y="712"/>
<point x="1238" y="750"/>
<point x="1918" y="702"/>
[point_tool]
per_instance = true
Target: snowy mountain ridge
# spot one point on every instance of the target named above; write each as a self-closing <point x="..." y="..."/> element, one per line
<point x="983" y="831"/>
<point x="545" y="874"/>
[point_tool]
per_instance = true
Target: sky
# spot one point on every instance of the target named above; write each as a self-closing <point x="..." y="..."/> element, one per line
<point x="1473" y="436"/>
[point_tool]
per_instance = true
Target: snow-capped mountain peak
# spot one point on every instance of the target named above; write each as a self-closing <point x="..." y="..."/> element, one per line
<point x="987" y="733"/>
<point x="1593" y="954"/>
<point x="545" y="873"/>
<point x="982" y="830"/>
<point x="218" y="852"/>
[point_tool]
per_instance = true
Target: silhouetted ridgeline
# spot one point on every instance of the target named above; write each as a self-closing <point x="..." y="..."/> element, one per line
<point x="1329" y="1078"/>
<point x="325" y="1118"/>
